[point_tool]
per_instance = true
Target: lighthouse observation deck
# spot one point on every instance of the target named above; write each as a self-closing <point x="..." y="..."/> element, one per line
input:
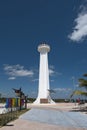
<point x="43" y="48"/>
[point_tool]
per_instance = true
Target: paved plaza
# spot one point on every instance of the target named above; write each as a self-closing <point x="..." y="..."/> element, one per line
<point x="55" y="117"/>
<point x="50" y="118"/>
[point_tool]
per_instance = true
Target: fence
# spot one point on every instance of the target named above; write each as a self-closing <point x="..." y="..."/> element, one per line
<point x="7" y="117"/>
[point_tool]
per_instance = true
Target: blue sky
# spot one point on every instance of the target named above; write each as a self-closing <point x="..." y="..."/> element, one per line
<point x="24" y="25"/>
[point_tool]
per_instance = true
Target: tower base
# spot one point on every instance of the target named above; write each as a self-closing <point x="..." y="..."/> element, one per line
<point x="44" y="101"/>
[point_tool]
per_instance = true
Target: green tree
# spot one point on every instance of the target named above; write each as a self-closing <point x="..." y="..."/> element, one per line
<point x="82" y="83"/>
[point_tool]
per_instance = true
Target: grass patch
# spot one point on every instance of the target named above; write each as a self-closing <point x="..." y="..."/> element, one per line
<point x="7" y="117"/>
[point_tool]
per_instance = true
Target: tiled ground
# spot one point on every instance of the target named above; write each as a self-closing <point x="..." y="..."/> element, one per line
<point x="56" y="117"/>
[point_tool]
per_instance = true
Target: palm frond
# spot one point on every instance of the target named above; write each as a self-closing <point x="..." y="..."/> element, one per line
<point x="85" y="75"/>
<point x="83" y="83"/>
<point x="77" y="92"/>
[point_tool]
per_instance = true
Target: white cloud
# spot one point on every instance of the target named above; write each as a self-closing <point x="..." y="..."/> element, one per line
<point x="34" y="80"/>
<point x="52" y="71"/>
<point x="80" y="30"/>
<point x="12" y="78"/>
<point x="62" y="89"/>
<point x="17" y="71"/>
<point x="51" y="80"/>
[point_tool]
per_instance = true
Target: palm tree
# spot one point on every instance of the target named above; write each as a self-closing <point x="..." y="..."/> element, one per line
<point x="82" y="83"/>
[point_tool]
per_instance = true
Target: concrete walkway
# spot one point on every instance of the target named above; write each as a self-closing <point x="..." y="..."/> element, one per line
<point x="49" y="119"/>
<point x="55" y="117"/>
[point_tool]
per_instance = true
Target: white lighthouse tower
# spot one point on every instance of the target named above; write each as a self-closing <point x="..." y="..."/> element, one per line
<point x="44" y="88"/>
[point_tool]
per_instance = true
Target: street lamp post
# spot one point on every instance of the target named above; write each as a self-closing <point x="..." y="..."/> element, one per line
<point x="73" y="79"/>
<point x="25" y="102"/>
